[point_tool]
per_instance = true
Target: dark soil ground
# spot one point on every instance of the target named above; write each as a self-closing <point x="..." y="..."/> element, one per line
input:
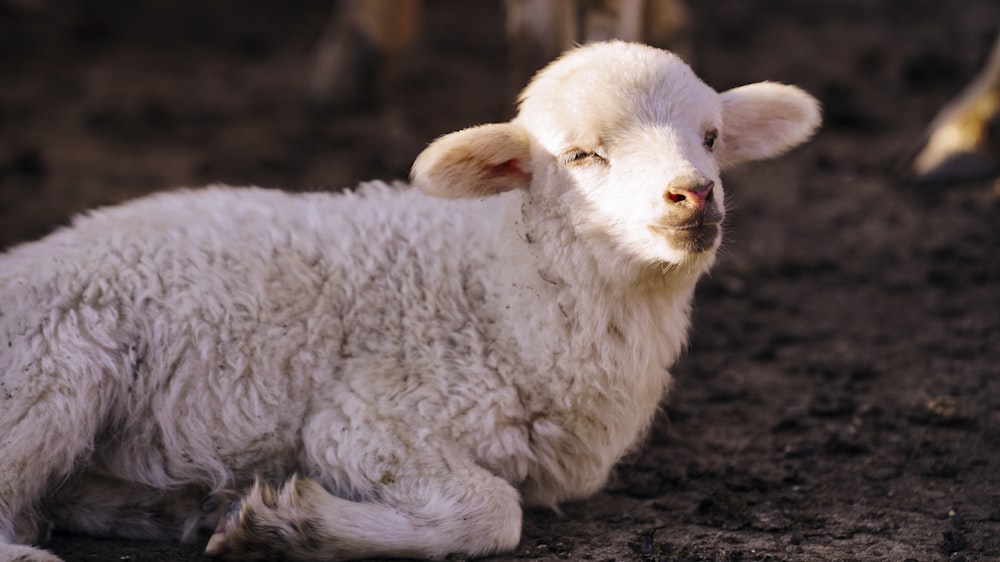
<point x="840" y="399"/>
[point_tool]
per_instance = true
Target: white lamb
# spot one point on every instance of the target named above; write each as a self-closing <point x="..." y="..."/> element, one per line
<point x="378" y="373"/>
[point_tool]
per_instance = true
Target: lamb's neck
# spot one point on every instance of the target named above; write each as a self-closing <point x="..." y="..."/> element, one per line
<point x="553" y="289"/>
<point x="593" y="354"/>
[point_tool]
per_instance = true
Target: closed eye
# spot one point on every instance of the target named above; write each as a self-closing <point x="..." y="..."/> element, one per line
<point x="576" y="156"/>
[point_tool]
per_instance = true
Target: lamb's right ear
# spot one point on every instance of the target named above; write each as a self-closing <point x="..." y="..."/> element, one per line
<point x="763" y="120"/>
<point x="475" y="162"/>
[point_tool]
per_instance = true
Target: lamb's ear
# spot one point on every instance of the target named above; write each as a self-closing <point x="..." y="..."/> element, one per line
<point x="475" y="162"/>
<point x="763" y="120"/>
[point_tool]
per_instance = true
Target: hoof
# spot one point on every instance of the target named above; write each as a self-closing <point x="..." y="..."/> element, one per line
<point x="218" y="544"/>
<point x="262" y="525"/>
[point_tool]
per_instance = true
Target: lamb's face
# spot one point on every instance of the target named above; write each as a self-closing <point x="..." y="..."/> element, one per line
<point x="626" y="136"/>
<point x="626" y="143"/>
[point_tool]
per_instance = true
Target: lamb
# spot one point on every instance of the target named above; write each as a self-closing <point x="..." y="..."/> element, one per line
<point x="385" y="372"/>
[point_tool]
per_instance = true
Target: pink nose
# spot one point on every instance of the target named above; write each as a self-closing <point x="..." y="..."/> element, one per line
<point x="690" y="191"/>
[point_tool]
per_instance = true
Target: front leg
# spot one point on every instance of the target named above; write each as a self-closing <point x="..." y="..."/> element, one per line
<point x="430" y="505"/>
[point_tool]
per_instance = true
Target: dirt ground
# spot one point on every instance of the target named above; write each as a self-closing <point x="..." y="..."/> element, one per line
<point x="840" y="399"/>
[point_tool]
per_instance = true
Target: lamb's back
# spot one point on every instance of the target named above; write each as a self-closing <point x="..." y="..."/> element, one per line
<point x="222" y="254"/>
<point x="233" y="307"/>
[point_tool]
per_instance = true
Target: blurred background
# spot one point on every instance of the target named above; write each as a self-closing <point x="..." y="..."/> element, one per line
<point x="107" y="99"/>
<point x="840" y="397"/>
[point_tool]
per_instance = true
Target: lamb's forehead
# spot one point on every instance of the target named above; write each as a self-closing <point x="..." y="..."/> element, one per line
<point x="598" y="87"/>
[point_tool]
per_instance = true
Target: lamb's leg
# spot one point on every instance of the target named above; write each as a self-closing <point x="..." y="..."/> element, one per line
<point x="99" y="505"/>
<point x="55" y="393"/>
<point x="42" y="434"/>
<point x="21" y="553"/>
<point x="466" y="510"/>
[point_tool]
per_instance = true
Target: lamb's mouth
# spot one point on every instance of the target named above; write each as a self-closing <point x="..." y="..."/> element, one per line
<point x="694" y="238"/>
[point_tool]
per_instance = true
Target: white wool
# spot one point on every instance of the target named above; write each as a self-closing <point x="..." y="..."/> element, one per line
<point x="424" y="364"/>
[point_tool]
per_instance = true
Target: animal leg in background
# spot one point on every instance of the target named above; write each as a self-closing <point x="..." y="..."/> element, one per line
<point x="361" y="50"/>
<point x="963" y="142"/>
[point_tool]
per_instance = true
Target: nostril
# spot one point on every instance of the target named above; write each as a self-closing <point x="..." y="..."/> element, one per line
<point x="689" y="191"/>
<point x="706" y="189"/>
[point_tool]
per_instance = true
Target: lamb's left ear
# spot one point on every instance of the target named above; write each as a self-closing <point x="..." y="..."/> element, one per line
<point x="763" y="120"/>
<point x="475" y="162"/>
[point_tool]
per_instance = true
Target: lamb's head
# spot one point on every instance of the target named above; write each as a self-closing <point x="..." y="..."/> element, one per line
<point x="628" y="143"/>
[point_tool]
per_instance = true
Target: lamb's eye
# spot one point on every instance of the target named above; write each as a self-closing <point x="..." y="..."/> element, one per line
<point x="579" y="156"/>
<point x="710" y="137"/>
<point x="576" y="155"/>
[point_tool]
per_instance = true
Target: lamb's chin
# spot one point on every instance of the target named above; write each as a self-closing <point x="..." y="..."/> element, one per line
<point x="691" y="240"/>
<point x="683" y="268"/>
